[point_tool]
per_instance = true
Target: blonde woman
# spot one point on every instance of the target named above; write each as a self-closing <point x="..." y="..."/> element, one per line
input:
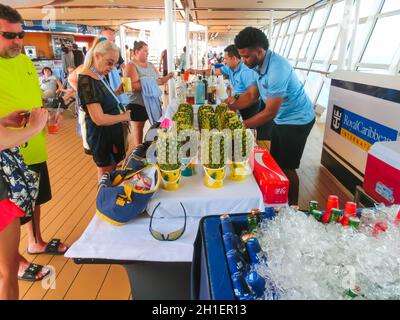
<point x="104" y="115"/>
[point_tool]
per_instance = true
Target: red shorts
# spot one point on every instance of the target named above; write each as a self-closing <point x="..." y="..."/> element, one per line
<point x="8" y="212"/>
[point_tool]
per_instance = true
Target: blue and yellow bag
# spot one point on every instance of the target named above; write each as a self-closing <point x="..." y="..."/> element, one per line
<point x="119" y="203"/>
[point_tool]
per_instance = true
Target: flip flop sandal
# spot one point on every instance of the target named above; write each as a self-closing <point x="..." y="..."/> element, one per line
<point x="32" y="271"/>
<point x="51" y="248"/>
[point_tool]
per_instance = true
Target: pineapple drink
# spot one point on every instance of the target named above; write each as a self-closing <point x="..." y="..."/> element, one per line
<point x="213" y="154"/>
<point x="187" y="158"/>
<point x="167" y="158"/>
<point x="201" y="113"/>
<point x="127" y="84"/>
<point x="243" y="142"/>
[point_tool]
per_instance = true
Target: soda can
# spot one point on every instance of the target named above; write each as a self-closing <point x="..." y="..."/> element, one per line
<point x="253" y="249"/>
<point x="354" y="222"/>
<point x="256" y="283"/>
<point x="226" y="224"/>
<point x="241" y="287"/>
<point x="252" y="222"/>
<point x="236" y="262"/>
<point x="380" y="226"/>
<point x="353" y="293"/>
<point x="240" y="247"/>
<point x="269" y="213"/>
<point x="229" y="242"/>
<point x="335" y="215"/>
<point x="317" y="214"/>
<point x="257" y="213"/>
<point x="313" y="205"/>
<point x="246" y="236"/>
<point x="350" y="208"/>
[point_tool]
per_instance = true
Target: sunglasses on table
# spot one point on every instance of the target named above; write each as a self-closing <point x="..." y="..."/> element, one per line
<point x="12" y="35"/>
<point x="171" y="236"/>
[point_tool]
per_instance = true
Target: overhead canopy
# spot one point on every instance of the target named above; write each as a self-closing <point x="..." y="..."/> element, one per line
<point x="224" y="18"/>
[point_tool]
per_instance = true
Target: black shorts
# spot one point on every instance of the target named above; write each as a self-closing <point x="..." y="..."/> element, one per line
<point x="44" y="183"/>
<point x="264" y="131"/>
<point x="106" y="160"/>
<point x="288" y="142"/>
<point x="138" y="112"/>
<point x="44" y="186"/>
<point x="250" y="111"/>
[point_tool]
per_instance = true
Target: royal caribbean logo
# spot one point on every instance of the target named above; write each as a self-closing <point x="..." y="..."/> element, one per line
<point x="359" y="130"/>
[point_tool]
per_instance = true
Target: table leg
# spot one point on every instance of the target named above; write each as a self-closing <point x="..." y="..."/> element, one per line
<point x="159" y="280"/>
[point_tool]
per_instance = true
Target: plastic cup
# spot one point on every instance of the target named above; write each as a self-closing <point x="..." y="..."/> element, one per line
<point x="350" y="209"/>
<point x="127" y="84"/>
<point x="333" y="202"/>
<point x="52" y="126"/>
<point x="186" y="75"/>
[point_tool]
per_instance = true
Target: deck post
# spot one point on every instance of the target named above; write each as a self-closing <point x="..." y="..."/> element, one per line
<point x="170" y="46"/>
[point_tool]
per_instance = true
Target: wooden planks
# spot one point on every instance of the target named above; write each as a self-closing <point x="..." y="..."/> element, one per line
<point x="74" y="185"/>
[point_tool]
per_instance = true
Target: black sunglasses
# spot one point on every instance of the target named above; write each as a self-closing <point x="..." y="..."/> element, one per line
<point x="171" y="236"/>
<point x="13" y="35"/>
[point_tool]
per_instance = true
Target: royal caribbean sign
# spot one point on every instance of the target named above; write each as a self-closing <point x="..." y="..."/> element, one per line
<point x="359" y="130"/>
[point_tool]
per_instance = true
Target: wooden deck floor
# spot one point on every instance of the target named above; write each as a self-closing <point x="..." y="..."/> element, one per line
<point x="73" y="179"/>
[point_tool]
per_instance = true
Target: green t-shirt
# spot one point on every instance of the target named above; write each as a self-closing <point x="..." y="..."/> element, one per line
<point x="20" y="89"/>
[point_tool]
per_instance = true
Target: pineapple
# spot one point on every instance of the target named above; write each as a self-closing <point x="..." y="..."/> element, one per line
<point x="183" y="118"/>
<point x="234" y="123"/>
<point x="167" y="147"/>
<point x="210" y="121"/>
<point x="186" y="108"/>
<point x="214" y="150"/>
<point x="226" y="116"/>
<point x="242" y="144"/>
<point x="187" y="134"/>
<point x="201" y="113"/>
<point x="214" y="121"/>
<point x="221" y="109"/>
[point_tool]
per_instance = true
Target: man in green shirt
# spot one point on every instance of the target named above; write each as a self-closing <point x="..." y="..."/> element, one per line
<point x="20" y="90"/>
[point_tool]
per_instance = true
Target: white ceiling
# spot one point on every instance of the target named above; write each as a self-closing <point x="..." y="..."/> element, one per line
<point x="225" y="17"/>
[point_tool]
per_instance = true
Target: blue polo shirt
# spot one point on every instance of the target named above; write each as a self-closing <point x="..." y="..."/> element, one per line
<point x="241" y="78"/>
<point x="277" y="79"/>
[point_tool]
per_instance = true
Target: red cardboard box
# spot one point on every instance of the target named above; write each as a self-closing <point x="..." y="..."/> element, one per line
<point x="273" y="183"/>
<point x="382" y="174"/>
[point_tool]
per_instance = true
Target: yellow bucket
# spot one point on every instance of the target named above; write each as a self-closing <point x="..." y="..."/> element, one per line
<point x="170" y="179"/>
<point x="215" y="177"/>
<point x="239" y="170"/>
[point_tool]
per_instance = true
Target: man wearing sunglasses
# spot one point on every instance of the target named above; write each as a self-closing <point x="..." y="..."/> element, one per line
<point x="20" y="90"/>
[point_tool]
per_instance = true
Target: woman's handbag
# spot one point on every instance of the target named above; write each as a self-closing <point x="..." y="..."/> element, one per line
<point x="125" y="125"/>
<point x="118" y="202"/>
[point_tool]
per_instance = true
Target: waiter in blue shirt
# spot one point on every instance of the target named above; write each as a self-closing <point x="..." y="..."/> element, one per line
<point x="242" y="78"/>
<point x="286" y="103"/>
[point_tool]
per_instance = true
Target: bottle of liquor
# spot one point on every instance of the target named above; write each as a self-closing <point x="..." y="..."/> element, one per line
<point x="190" y="94"/>
<point x="180" y="90"/>
<point x="205" y="84"/>
<point x="212" y="92"/>
<point x="200" y="91"/>
<point x="252" y="222"/>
